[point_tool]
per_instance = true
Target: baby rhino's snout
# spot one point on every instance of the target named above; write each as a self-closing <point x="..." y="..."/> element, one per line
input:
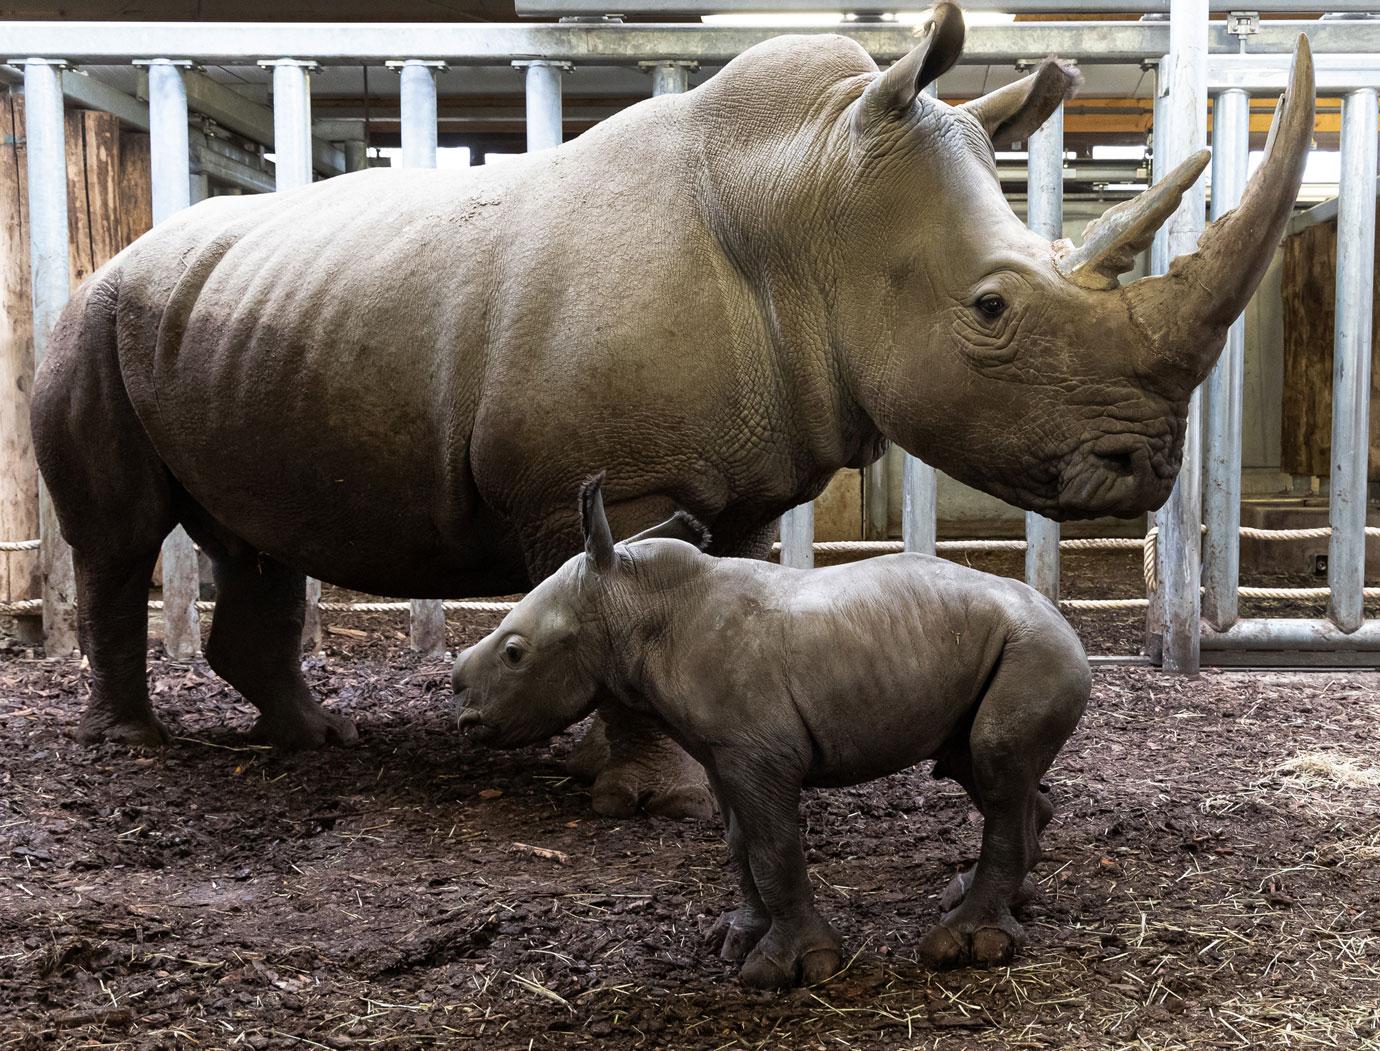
<point x="466" y="716"/>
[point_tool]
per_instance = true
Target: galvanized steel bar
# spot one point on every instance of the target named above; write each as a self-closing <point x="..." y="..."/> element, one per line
<point x="50" y="274"/>
<point x="670" y="78"/>
<point x="1179" y="519"/>
<point x="291" y="122"/>
<point x="697" y="8"/>
<point x="1351" y="360"/>
<point x="544" y="127"/>
<point x="1231" y="126"/>
<point x="417" y="111"/>
<point x="1045" y="216"/>
<point x="919" y="521"/>
<point x="1278" y="633"/>
<point x="798" y="537"/>
<point x="494" y="44"/>
<point x="427" y="617"/>
<point x="170" y="168"/>
<point x="877" y="498"/>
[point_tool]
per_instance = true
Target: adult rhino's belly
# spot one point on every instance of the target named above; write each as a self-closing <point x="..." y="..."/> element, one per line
<point x="300" y="391"/>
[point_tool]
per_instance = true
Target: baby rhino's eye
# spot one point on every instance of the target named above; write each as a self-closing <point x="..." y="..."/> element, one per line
<point x="514" y="650"/>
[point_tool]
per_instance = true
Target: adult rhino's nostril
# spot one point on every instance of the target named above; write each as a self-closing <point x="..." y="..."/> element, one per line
<point x="1122" y="464"/>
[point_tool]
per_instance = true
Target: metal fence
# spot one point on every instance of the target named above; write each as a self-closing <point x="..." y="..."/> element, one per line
<point x="1195" y="58"/>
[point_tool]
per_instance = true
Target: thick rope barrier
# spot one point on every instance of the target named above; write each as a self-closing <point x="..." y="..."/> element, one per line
<point x="1146" y="545"/>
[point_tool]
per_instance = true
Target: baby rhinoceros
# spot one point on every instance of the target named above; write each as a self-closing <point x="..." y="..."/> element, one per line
<point x="778" y="678"/>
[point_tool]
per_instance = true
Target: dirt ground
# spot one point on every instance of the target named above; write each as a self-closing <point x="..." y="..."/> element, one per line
<point x="1212" y="880"/>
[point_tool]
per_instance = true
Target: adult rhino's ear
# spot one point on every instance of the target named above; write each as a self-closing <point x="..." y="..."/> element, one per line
<point x="680" y="526"/>
<point x="598" y="537"/>
<point x="895" y="91"/>
<point x="1011" y="113"/>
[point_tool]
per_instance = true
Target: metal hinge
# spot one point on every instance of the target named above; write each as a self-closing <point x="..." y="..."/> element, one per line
<point x="1243" y="23"/>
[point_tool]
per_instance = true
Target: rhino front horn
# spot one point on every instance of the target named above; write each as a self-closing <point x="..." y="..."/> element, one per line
<point x="1186" y="312"/>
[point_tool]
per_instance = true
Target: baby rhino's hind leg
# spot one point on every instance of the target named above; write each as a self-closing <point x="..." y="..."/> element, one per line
<point x="1030" y="708"/>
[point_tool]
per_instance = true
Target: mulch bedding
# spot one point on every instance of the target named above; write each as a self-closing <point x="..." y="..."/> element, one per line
<point x="1212" y="880"/>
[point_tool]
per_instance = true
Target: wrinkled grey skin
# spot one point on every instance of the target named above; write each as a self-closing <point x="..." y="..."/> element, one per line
<point x="391" y="380"/>
<point x="775" y="678"/>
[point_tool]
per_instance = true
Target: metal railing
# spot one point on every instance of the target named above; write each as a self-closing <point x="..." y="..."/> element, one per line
<point x="1201" y="57"/>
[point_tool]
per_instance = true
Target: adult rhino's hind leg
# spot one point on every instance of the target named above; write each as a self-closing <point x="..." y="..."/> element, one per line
<point x="256" y="646"/>
<point x="113" y="498"/>
<point x="112" y="612"/>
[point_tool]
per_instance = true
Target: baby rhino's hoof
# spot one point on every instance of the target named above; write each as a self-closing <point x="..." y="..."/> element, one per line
<point x="955" y="943"/>
<point x="781" y="961"/>
<point x="737" y="933"/>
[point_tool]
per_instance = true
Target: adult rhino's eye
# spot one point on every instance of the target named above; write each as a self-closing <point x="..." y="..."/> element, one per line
<point x="991" y="306"/>
<point x="514" y="650"/>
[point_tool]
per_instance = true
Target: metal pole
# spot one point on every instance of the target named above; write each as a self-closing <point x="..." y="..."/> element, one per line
<point x="427" y="620"/>
<point x="1179" y="540"/>
<point x="1045" y="215"/>
<point x="292" y="168"/>
<point x="170" y="164"/>
<point x="1159" y="264"/>
<point x="670" y="78"/>
<point x="1351" y="360"/>
<point x="543" y="103"/>
<point x="919" y="488"/>
<point x="50" y="274"/>
<point x="417" y="102"/>
<point x="919" y="526"/>
<point x="877" y="497"/>
<point x="291" y="121"/>
<point x="798" y="537"/>
<point x="1231" y="115"/>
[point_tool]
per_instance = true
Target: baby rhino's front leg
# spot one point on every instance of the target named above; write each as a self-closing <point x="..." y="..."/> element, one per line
<point x="786" y="941"/>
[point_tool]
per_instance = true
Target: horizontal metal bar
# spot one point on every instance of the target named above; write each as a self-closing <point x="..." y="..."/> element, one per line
<point x="1319" y="213"/>
<point x="218" y="164"/>
<point x="244" y="116"/>
<point x="1262" y="633"/>
<point x="696" y="8"/>
<point x="1269" y="74"/>
<point x="244" y="43"/>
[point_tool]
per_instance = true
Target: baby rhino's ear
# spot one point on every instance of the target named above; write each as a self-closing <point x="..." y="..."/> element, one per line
<point x="598" y="537"/>
<point x="680" y="526"/>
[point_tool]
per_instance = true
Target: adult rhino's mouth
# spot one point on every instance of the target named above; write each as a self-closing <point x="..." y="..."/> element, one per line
<point x="1117" y="475"/>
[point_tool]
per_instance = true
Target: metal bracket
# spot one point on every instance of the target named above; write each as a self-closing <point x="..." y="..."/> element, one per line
<point x="397" y="65"/>
<point x="1243" y="23"/>
<point x="310" y="65"/>
<point x="647" y="67"/>
<point x="586" y="20"/>
<point x="564" y="67"/>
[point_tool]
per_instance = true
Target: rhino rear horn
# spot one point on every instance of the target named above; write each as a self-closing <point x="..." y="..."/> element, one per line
<point x="1011" y="113"/>
<point x="941" y="44"/>
<point x="598" y="537"/>
<point x="680" y="526"/>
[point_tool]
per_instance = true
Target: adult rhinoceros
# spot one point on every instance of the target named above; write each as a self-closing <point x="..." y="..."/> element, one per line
<point x="394" y="380"/>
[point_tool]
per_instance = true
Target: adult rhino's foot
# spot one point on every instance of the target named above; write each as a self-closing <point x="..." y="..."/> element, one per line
<point x="969" y="938"/>
<point x="736" y="933"/>
<point x="788" y="956"/>
<point x="958" y="888"/>
<point x="302" y="727"/>
<point x="646" y="770"/>
<point x="138" y="731"/>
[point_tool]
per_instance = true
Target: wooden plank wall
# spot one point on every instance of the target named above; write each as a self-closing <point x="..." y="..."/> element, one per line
<point x="1309" y="293"/>
<point x="108" y="206"/>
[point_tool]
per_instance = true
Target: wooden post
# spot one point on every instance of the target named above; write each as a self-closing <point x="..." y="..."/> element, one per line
<point x="19" y="570"/>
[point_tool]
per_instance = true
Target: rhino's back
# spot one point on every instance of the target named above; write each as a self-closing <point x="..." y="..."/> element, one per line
<point x="311" y="365"/>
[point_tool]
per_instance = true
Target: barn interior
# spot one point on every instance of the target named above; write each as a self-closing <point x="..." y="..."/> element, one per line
<point x="1211" y="879"/>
